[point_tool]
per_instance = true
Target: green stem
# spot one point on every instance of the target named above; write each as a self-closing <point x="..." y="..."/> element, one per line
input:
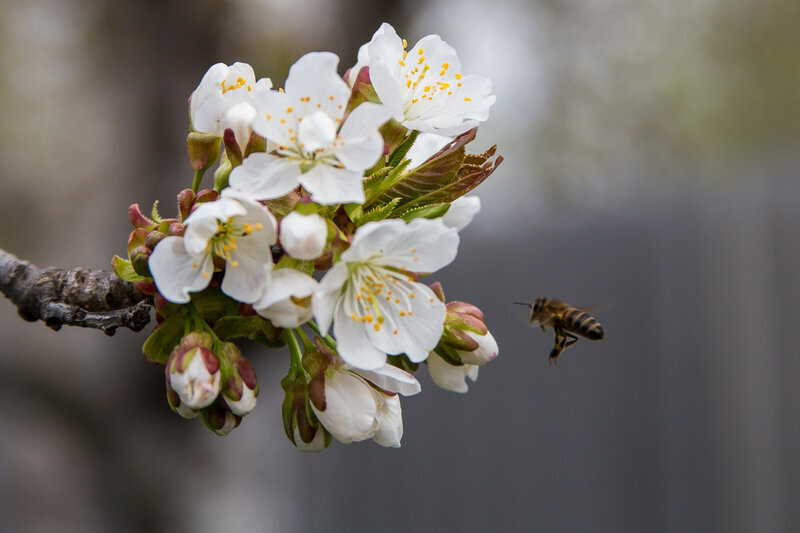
<point x="307" y="344"/>
<point x="198" y="177"/>
<point x="327" y="338"/>
<point x="295" y="352"/>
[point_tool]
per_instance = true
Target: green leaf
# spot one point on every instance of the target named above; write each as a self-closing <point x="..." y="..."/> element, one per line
<point x="401" y="151"/>
<point x="124" y="270"/>
<point x="213" y="304"/>
<point x="354" y="211"/>
<point x="428" y="211"/>
<point x="231" y="327"/>
<point x="375" y="189"/>
<point x="154" y="212"/>
<point x="163" y="340"/>
<point x="378" y="213"/>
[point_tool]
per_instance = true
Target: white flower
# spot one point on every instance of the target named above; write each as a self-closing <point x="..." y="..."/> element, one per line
<point x="423" y="87"/>
<point x="194" y="375"/>
<point x="375" y="306"/>
<point x="224" y="99"/>
<point x="303" y="236"/>
<point x="354" y="410"/>
<point x="461" y="212"/>
<point x="450" y="377"/>
<point x="315" y="148"/>
<point x="287" y="299"/>
<point x="233" y="228"/>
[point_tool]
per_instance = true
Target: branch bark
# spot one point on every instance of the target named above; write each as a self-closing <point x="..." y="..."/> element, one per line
<point x="76" y="297"/>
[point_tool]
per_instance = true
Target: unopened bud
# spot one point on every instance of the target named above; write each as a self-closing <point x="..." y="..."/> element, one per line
<point x="466" y="334"/>
<point x="153" y="238"/>
<point x="176" y="229"/>
<point x="203" y="149"/>
<point x="219" y="419"/>
<point x="185" y="200"/>
<point x="303" y="236"/>
<point x="138" y="220"/>
<point x="193" y="371"/>
<point x="240" y="386"/>
<point x="177" y="406"/>
<point x="139" y="258"/>
<point x="301" y="425"/>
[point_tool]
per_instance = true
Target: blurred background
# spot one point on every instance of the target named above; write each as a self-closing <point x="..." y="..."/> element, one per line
<point x="651" y="166"/>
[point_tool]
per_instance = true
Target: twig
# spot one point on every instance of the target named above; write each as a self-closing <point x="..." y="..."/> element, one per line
<point x="76" y="297"/>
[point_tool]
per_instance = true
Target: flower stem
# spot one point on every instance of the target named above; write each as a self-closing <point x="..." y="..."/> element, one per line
<point x="296" y="354"/>
<point x="327" y="338"/>
<point x="198" y="177"/>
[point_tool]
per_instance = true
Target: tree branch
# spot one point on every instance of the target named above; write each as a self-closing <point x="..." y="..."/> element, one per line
<point x="76" y="297"/>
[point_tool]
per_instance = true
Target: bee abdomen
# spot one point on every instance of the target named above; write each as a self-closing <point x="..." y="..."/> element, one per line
<point x="583" y="324"/>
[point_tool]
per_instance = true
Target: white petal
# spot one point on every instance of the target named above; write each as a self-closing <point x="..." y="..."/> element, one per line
<point x="422" y="245"/>
<point x="328" y="294"/>
<point x="317" y="444"/>
<point x="266" y="176"/>
<point x="243" y="405"/>
<point x="276" y="303"/>
<point x="361" y="143"/>
<point x="239" y="118"/>
<point x="272" y="121"/>
<point x="313" y="79"/>
<point x="209" y="86"/>
<point x="246" y="281"/>
<point x="303" y="236"/>
<point x="390" y="419"/>
<point x="329" y="185"/>
<point x="176" y="273"/>
<point x="448" y="377"/>
<point x="414" y="326"/>
<point x="392" y="379"/>
<point x="317" y="131"/>
<point x="353" y="343"/>
<point x="201" y="225"/>
<point x="461" y="212"/>
<point x="486" y="351"/>
<point x="384" y="79"/>
<point x="426" y="145"/>
<point x="350" y="408"/>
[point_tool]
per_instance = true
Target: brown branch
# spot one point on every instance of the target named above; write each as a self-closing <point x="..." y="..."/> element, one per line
<point x="76" y="297"/>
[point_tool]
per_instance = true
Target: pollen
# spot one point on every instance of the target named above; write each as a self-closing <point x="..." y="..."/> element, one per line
<point x="445" y="65"/>
<point x="354" y="317"/>
<point x="405" y="43"/>
<point x="419" y="51"/>
<point x="283" y="121"/>
<point x="234" y="264"/>
<point x="206" y="275"/>
<point x="269" y="117"/>
<point x="194" y="265"/>
<point x="330" y="98"/>
<point x="458" y="76"/>
<point x="394" y="332"/>
<point x="319" y="105"/>
<point x="467" y="99"/>
<point x="431" y="300"/>
<point x="280" y="90"/>
<point x="402" y="63"/>
<point x="289" y="109"/>
<point x="411" y="295"/>
<point x="402" y="313"/>
<point x="408" y="84"/>
<point x="377" y="327"/>
<point x="259" y="226"/>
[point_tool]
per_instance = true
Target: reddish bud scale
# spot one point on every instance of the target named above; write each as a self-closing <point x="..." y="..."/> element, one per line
<point x="138" y="220"/>
<point x="138" y="237"/>
<point x="176" y="229"/>
<point x="153" y="238"/>
<point x="185" y="200"/>
<point x="203" y="149"/>
<point x="218" y="418"/>
<point x="232" y="148"/>
<point x="139" y="258"/>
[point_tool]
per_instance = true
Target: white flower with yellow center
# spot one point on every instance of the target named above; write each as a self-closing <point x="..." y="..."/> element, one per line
<point x="316" y="146"/>
<point x="232" y="228"/>
<point x="375" y="305"/>
<point x="225" y="99"/>
<point x="423" y="86"/>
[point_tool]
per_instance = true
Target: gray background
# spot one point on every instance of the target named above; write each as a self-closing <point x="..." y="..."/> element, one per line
<point x="651" y="167"/>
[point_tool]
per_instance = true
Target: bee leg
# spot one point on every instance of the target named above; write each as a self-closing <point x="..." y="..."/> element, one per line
<point x="572" y="339"/>
<point x="561" y="342"/>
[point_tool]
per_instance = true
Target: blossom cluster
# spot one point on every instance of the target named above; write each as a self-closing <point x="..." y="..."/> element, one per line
<point x="333" y="198"/>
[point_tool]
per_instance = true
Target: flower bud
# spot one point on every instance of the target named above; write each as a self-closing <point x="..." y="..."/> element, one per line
<point x="203" y="149"/>
<point x="193" y="371"/>
<point x="185" y="200"/>
<point x="239" y="387"/>
<point x="139" y="257"/>
<point x="175" y="404"/>
<point x="176" y="229"/>
<point x="153" y="238"/>
<point x="301" y="426"/>
<point x="286" y="302"/>
<point x="303" y="236"/>
<point x="467" y="335"/>
<point x="219" y="419"/>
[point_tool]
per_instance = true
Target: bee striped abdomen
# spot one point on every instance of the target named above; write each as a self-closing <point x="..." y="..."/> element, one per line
<point x="583" y="324"/>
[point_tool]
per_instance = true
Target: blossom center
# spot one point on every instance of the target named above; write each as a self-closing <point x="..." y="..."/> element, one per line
<point x="238" y="84"/>
<point x="425" y="82"/>
<point x="378" y="296"/>
<point x="223" y="243"/>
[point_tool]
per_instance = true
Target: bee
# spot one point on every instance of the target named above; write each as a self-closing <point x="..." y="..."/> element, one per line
<point x="565" y="320"/>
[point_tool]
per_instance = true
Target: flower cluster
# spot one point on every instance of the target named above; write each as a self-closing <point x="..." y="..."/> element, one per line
<point x="333" y="198"/>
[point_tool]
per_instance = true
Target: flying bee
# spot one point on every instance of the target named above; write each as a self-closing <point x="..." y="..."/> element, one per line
<point x="565" y="320"/>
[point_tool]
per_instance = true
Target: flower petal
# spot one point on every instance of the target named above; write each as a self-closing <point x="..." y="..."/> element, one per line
<point x="461" y="212"/>
<point x="266" y="176"/>
<point x="247" y="271"/>
<point x="449" y="377"/>
<point x="361" y="143"/>
<point x="353" y="343"/>
<point x="177" y="273"/>
<point x="390" y="420"/>
<point x="422" y="245"/>
<point x="329" y="185"/>
<point x="201" y="225"/>
<point x="272" y="121"/>
<point x="276" y="304"/>
<point x="350" y="408"/>
<point x="328" y="294"/>
<point x="316" y="131"/>
<point x="392" y="379"/>
<point x="313" y="84"/>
